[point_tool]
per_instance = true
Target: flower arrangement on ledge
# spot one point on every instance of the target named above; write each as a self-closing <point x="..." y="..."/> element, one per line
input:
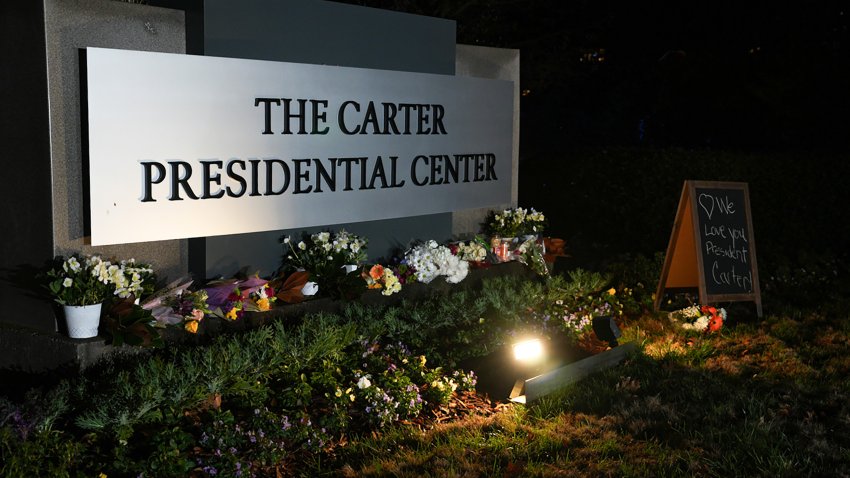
<point x="474" y="251"/>
<point x="330" y="258"/>
<point x="82" y="284"/>
<point x="88" y="280"/>
<point x="430" y="260"/>
<point x="515" y="222"/>
<point x="229" y="299"/>
<point x="531" y="253"/>
<point x="384" y="278"/>
<point x="136" y="316"/>
<point x="177" y="306"/>
<point x="699" y="318"/>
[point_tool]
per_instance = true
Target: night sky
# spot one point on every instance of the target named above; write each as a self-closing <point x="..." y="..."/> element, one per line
<point x="742" y="75"/>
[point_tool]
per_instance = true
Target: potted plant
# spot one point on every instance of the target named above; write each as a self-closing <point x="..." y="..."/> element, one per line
<point x="330" y="258"/>
<point x="504" y="224"/>
<point x="533" y="223"/>
<point x="82" y="283"/>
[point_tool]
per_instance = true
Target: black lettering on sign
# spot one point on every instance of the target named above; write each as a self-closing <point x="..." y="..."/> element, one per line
<point x="724" y="241"/>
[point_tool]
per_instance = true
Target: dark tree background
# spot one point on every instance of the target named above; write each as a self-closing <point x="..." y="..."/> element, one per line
<point x="754" y="75"/>
<point x="622" y="101"/>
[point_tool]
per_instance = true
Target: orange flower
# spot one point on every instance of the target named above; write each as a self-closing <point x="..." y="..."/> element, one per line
<point x="263" y="304"/>
<point x="376" y="272"/>
<point x="191" y="326"/>
<point x="715" y="324"/>
<point x="375" y="285"/>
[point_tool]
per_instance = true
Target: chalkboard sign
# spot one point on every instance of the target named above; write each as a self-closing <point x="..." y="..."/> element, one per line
<point x="712" y="246"/>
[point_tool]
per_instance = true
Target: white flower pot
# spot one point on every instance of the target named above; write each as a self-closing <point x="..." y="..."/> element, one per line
<point x="82" y="320"/>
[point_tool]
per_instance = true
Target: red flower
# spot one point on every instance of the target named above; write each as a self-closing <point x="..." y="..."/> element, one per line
<point x="708" y="310"/>
<point x="715" y="323"/>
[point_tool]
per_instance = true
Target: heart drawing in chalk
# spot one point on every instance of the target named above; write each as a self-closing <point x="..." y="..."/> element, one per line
<point x="706" y="202"/>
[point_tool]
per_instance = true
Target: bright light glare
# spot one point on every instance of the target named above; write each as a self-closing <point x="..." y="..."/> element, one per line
<point x="528" y="350"/>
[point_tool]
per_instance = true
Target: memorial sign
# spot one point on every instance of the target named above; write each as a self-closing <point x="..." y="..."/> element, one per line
<point x="189" y="146"/>
<point x="712" y="246"/>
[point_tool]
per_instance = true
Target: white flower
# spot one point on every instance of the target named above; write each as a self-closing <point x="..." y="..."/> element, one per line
<point x="324" y="236"/>
<point x="67" y="282"/>
<point x="364" y="382"/>
<point x="286" y="240"/>
<point x="302" y="246"/>
<point x="71" y="264"/>
<point x="431" y="260"/>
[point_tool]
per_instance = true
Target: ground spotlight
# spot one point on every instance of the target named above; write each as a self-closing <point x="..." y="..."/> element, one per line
<point x="606" y="330"/>
<point x="528" y="351"/>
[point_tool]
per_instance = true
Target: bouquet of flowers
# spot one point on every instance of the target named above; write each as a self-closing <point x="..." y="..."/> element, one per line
<point x="699" y="318"/>
<point x="230" y="298"/>
<point x="88" y="280"/>
<point x="328" y="257"/>
<point x="472" y="251"/>
<point x="534" y="222"/>
<point x="317" y="251"/>
<point x="431" y="260"/>
<point x="176" y="305"/>
<point x="138" y="280"/>
<point x="380" y="277"/>
<point x="515" y="222"/>
<point x="530" y="253"/>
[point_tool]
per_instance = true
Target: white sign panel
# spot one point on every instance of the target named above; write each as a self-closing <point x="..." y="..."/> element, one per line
<point x="190" y="146"/>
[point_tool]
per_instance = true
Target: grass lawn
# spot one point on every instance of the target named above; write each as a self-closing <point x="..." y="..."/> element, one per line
<point x="760" y="398"/>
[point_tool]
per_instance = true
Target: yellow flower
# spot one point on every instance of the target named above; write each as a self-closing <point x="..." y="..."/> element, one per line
<point x="191" y="326"/>
<point x="102" y="475"/>
<point x="612" y="291"/>
<point x="263" y="304"/>
<point x="231" y="314"/>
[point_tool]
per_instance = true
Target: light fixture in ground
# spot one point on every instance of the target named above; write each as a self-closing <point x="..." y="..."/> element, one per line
<point x="528" y="351"/>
